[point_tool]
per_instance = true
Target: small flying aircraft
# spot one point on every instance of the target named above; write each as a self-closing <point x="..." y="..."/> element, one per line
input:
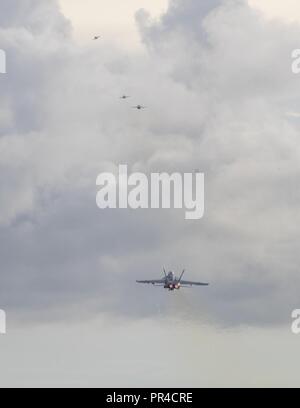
<point x="171" y="282"/>
<point x="139" y="107"/>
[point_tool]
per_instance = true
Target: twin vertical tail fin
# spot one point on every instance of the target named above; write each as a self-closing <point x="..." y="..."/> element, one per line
<point x="181" y="276"/>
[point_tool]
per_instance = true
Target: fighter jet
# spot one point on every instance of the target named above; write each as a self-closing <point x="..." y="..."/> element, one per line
<point x="139" y="107"/>
<point x="124" y="97"/>
<point x="171" y="282"/>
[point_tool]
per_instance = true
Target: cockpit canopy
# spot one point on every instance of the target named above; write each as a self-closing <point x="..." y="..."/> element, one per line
<point x="171" y="275"/>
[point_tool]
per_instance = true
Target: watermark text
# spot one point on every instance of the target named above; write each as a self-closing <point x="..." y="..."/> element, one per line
<point x="2" y="61"/>
<point x="296" y="321"/>
<point x="159" y="190"/>
<point x="2" y="322"/>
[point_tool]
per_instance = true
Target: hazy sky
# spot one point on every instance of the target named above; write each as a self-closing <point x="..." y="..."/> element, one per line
<point x="161" y="352"/>
<point x="288" y="9"/>
<point x="115" y="19"/>
<point x="216" y="78"/>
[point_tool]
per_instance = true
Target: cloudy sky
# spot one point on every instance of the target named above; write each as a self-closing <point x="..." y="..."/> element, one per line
<point x="216" y="78"/>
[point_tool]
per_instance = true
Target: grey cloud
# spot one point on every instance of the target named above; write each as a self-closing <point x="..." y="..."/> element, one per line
<point x="34" y="15"/>
<point x="217" y="81"/>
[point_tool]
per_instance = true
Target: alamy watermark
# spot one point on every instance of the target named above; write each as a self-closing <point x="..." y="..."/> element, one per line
<point x="2" y="61"/>
<point x="296" y="321"/>
<point x="160" y="190"/>
<point x="296" y="61"/>
<point x="2" y="322"/>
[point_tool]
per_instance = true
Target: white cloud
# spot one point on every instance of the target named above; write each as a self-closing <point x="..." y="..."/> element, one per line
<point x="114" y="20"/>
<point x="217" y="81"/>
<point x="288" y="10"/>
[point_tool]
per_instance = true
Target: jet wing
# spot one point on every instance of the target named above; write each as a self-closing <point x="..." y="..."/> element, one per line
<point x="153" y="282"/>
<point x="188" y="283"/>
